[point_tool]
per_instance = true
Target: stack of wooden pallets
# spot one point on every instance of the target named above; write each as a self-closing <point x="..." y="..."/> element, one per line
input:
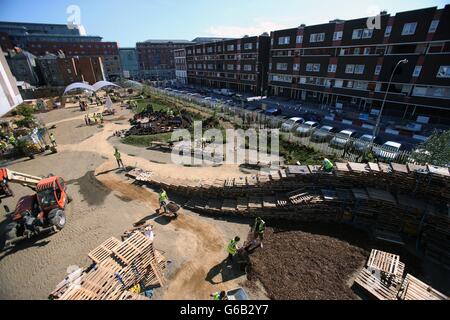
<point x="382" y="277"/>
<point x="414" y="289"/>
<point x="117" y="267"/>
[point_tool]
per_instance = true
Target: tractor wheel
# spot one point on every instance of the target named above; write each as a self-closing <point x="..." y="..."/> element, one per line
<point x="57" y="217"/>
<point x="11" y="231"/>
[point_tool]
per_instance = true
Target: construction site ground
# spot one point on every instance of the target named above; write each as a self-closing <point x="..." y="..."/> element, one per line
<point x="297" y="262"/>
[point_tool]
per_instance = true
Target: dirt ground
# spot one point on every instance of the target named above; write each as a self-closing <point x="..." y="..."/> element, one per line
<point x="309" y="262"/>
<point x="105" y="203"/>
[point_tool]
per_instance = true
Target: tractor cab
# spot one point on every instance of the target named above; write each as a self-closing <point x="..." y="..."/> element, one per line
<point x="51" y="194"/>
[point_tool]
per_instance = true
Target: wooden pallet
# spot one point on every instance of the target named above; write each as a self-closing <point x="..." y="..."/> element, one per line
<point x="103" y="251"/>
<point x="132" y="247"/>
<point x="414" y="289"/>
<point x="374" y="286"/>
<point x="387" y="263"/>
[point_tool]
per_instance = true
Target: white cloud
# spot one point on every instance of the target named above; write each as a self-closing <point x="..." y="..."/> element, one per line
<point x="259" y="27"/>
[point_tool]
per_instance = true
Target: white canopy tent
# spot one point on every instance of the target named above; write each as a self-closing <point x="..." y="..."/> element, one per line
<point x="102" y="84"/>
<point x="78" y="86"/>
<point x="83" y="86"/>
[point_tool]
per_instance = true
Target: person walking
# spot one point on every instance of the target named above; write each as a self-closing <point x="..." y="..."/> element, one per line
<point x="163" y="200"/>
<point x="259" y="229"/>
<point x="53" y="139"/>
<point x="118" y="158"/>
<point x="232" y="248"/>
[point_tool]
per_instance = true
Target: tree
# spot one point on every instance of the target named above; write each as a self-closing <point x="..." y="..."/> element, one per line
<point x="435" y="151"/>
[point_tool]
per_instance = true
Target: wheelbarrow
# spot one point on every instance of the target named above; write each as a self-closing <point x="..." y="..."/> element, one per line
<point x="171" y="208"/>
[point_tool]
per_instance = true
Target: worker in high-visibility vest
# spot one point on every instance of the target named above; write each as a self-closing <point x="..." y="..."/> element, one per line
<point x="163" y="200"/>
<point x="259" y="228"/>
<point x="12" y="140"/>
<point x="219" y="296"/>
<point x="118" y="157"/>
<point x="232" y="248"/>
<point x="327" y="166"/>
<point x="53" y="140"/>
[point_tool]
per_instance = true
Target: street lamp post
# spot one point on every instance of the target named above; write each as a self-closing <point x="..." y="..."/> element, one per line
<point x="377" y="126"/>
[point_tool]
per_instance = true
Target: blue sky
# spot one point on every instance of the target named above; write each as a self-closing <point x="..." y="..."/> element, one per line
<point x="130" y="21"/>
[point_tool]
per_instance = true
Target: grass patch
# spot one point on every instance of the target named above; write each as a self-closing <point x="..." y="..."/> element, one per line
<point x="145" y="141"/>
<point x="294" y="153"/>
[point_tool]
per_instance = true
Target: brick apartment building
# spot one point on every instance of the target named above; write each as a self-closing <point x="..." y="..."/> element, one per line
<point x="346" y="62"/>
<point x="107" y="51"/>
<point x="180" y="66"/>
<point x="237" y="64"/>
<point x="61" y="71"/>
<point x="156" y="58"/>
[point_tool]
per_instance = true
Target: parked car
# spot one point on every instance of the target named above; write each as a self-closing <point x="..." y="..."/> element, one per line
<point x="389" y="151"/>
<point x="363" y="143"/>
<point x="292" y="124"/>
<point x="323" y="134"/>
<point x="342" y="138"/>
<point x="273" y="112"/>
<point x="307" y="128"/>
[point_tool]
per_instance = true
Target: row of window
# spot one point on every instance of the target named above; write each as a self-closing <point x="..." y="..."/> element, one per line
<point x="243" y="56"/>
<point x="408" y="30"/>
<point x="245" y="77"/>
<point x="230" y="67"/>
<point x="444" y="71"/>
<point x="230" y="47"/>
<point x="405" y="89"/>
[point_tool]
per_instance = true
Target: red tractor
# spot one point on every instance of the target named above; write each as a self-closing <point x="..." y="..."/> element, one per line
<point x="40" y="213"/>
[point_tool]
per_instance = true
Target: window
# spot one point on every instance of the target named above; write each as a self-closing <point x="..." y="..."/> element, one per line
<point x="309" y="67"/>
<point x="238" y="48"/>
<point x="296" y="67"/>
<point x="282" y="66"/>
<point x="409" y="29"/>
<point x="350" y="84"/>
<point x="367" y="34"/>
<point x="238" y="67"/>
<point x="284" y="40"/>
<point x="339" y="83"/>
<point x="248" y="46"/>
<point x="417" y="71"/>
<point x="281" y="78"/>
<point x="361" y="85"/>
<point x="230" y="47"/>
<point x="332" y="68"/>
<point x="302" y="80"/>
<point x="248" y="67"/>
<point x="317" y="37"/>
<point x="366" y="51"/>
<point x="378" y="70"/>
<point x="299" y="39"/>
<point x="210" y="50"/>
<point x="350" y="68"/>
<point x="433" y="26"/>
<point x="230" y="67"/>
<point x="388" y="31"/>
<point x="199" y="50"/>
<point x="420" y="91"/>
<point x="357" y="34"/>
<point x="337" y="36"/>
<point x="444" y="72"/>
<point x="316" y="67"/>
<point x="356" y="51"/>
<point x="359" y="69"/>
